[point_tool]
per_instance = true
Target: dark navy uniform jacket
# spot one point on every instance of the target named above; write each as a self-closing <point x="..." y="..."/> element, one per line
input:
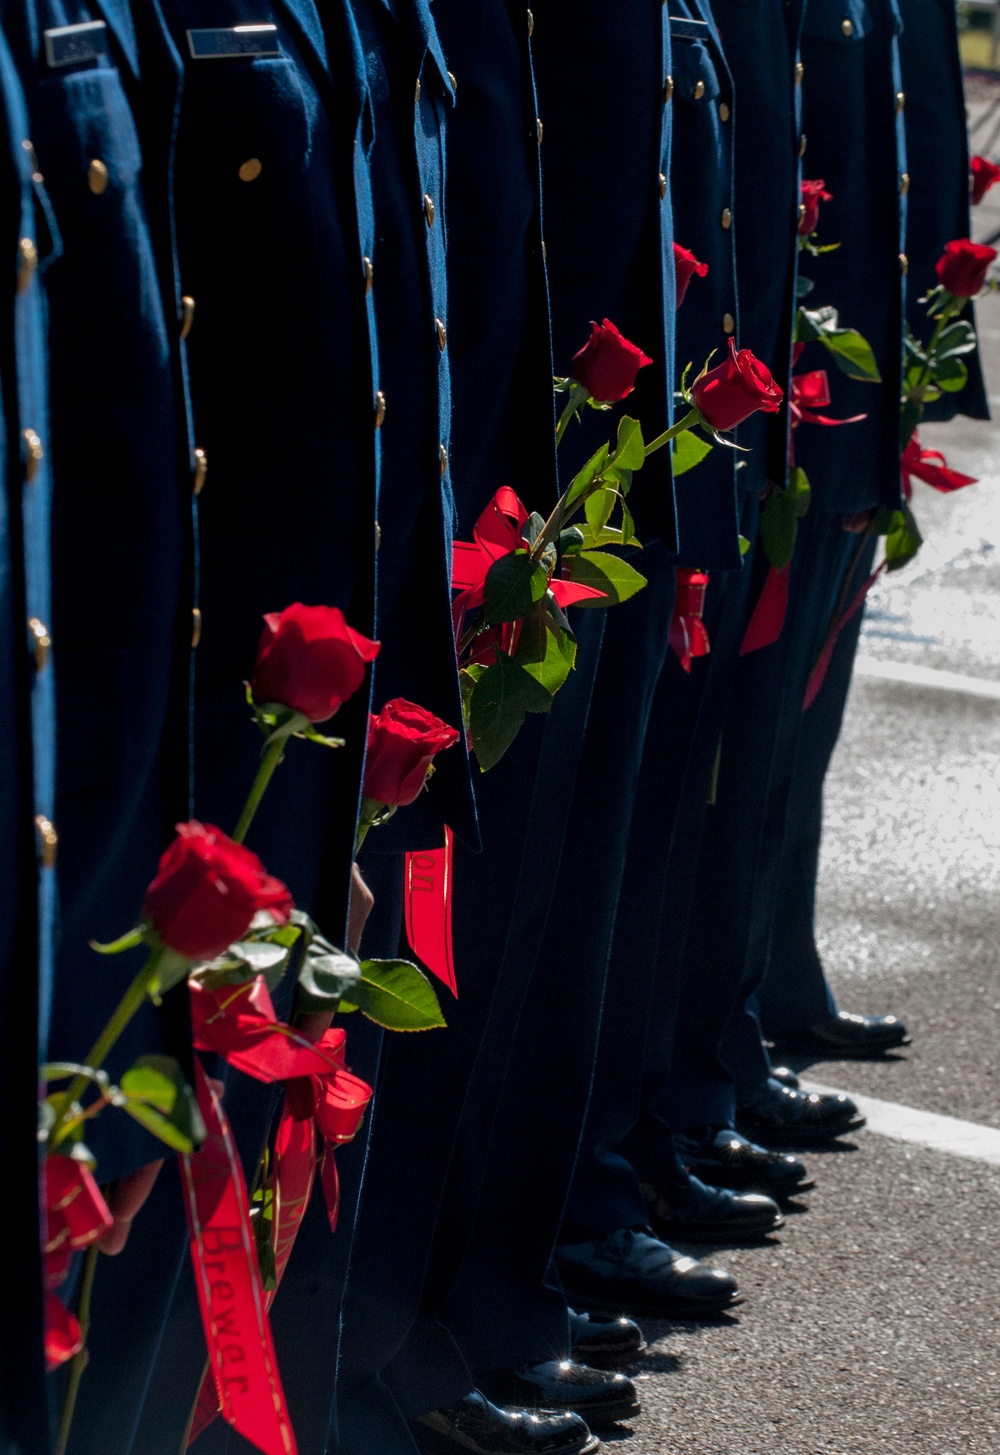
<point x="117" y="523"/>
<point x="27" y="835"/>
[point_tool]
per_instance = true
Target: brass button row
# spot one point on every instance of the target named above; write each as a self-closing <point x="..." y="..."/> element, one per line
<point x="41" y="641"/>
<point x="34" y="454"/>
<point x="36" y="175"/>
<point x="27" y="262"/>
<point x="200" y="471"/>
<point x="48" y="840"/>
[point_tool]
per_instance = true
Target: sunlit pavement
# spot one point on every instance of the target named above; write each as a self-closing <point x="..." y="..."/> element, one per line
<point x="870" y="1324"/>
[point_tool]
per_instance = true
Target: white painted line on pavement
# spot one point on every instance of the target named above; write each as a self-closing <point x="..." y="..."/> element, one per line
<point x="925" y="1128"/>
<point x="915" y="676"/>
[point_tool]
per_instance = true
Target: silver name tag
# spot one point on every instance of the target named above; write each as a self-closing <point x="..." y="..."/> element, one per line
<point x="234" y="40"/>
<point x="68" y="44"/>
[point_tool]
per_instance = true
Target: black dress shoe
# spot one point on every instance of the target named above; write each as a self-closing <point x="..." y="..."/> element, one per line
<point x="720" y="1157"/>
<point x="848" y="1035"/>
<point x="695" y="1213"/>
<point x="786" y="1076"/>
<point x="777" y="1116"/>
<point x="632" y="1269"/>
<point x="605" y="1341"/>
<point x="472" y="1423"/>
<point x="597" y="1396"/>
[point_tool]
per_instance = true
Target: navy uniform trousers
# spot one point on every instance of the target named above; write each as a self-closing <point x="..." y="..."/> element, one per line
<point x="795" y="993"/>
<point x="27" y="770"/>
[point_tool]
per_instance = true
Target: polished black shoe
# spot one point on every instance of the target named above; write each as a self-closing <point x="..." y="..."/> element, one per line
<point x="605" y="1341"/>
<point x="786" y="1076"/>
<point x="695" y="1213"/>
<point x="777" y="1116"/>
<point x="473" y="1423"/>
<point x="596" y="1395"/>
<point x="720" y="1157"/>
<point x="846" y="1034"/>
<point x="632" y="1269"/>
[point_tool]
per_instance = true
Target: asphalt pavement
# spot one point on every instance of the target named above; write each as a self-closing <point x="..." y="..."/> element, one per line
<point x="870" y="1325"/>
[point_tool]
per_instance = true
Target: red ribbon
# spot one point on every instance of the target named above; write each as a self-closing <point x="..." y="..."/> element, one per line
<point x="688" y="636"/>
<point x="818" y="674"/>
<point x="241" y="1354"/>
<point x="76" y="1215"/>
<point x="764" y="626"/>
<point x="809" y="392"/>
<point x="429" y="882"/>
<point x="931" y="467"/>
<point x="323" y="1109"/>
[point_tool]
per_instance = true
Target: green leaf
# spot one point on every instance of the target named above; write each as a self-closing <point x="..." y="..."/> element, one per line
<point x="853" y="354"/>
<point x="630" y="452"/>
<point x="957" y="338"/>
<point x="598" y="507"/>
<point x="571" y="538"/>
<point x="244" y="961"/>
<point x="502" y="697"/>
<point x="688" y="450"/>
<point x="544" y="650"/>
<point x="800" y="490"/>
<point x="903" y="540"/>
<point x="124" y="942"/>
<point x="326" y="976"/>
<point x="910" y="416"/>
<point x="744" y="545"/>
<point x="160" y="1099"/>
<point x="512" y="584"/>
<point x="610" y="574"/>
<point x="779" y="524"/>
<point x="951" y="374"/>
<point x="262" y="1220"/>
<point x="398" y="996"/>
<point x="581" y="483"/>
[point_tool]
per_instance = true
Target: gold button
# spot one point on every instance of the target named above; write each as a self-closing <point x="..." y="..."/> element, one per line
<point x="369" y="274"/>
<point x="187" y="315"/>
<point x="802" y="212"/>
<point x="663" y="184"/>
<point x="27" y="262"/>
<point x="900" y="101"/>
<point x="668" y="88"/>
<point x="200" y="471"/>
<point x="97" y="177"/>
<point x="727" y="217"/>
<point x="531" y="23"/>
<point x="33" y="454"/>
<point x="195" y="627"/>
<point x="379" y="409"/>
<point x="904" y="184"/>
<point x="904" y="264"/>
<point x="699" y="90"/>
<point x="454" y="82"/>
<point x="728" y="323"/>
<point x="799" y="72"/>
<point x="36" y="175"/>
<point x="539" y="129"/>
<point x="724" y="112"/>
<point x="442" y="460"/>
<point x="416" y="94"/>
<point x="251" y="169"/>
<point x="847" y="26"/>
<point x="802" y="145"/>
<point x="442" y="334"/>
<point x="48" y="840"/>
<point x="41" y="641"/>
<point x="429" y="211"/>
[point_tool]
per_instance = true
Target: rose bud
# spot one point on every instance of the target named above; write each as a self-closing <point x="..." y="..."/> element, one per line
<point x="403" y="740"/>
<point x="686" y="265"/>
<point x="982" y="176"/>
<point x="607" y="364"/>
<point x="963" y="266"/>
<point x="739" y="387"/>
<point x="207" y="891"/>
<point x="310" y="660"/>
<point x="813" y="193"/>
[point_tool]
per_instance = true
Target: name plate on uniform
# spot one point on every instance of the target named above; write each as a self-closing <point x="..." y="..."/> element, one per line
<point x="233" y="40"/>
<point x="67" y="45"/>
<point x="683" y="29"/>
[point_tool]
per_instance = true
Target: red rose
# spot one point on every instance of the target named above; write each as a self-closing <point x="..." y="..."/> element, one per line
<point x="982" y="175"/>
<point x="309" y="659"/>
<point x="813" y="193"/>
<point x="736" y="389"/>
<point x="685" y="267"/>
<point x="607" y="364"/>
<point x="962" y="267"/>
<point x="207" y="890"/>
<point x="402" y="742"/>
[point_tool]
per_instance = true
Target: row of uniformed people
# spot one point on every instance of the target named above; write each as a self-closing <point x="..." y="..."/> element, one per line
<point x="278" y="339"/>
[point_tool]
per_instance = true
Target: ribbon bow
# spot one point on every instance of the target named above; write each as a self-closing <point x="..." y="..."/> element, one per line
<point x="688" y="636"/>
<point x="76" y="1215"/>
<point x="931" y="467"/>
